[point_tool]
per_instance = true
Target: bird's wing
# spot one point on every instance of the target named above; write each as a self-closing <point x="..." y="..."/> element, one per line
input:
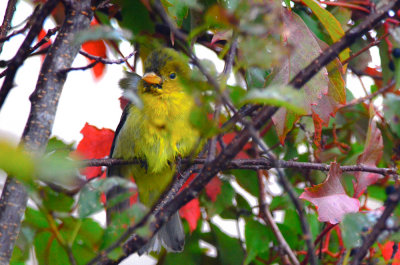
<point x="119" y="127"/>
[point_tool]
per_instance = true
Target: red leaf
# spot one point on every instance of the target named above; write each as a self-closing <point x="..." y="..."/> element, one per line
<point x="373" y="152"/>
<point x="227" y="138"/>
<point x="191" y="212"/>
<point x="41" y="35"/>
<point x="330" y="198"/>
<point x="96" y="143"/>
<point x="387" y="252"/>
<point x="213" y="188"/>
<point x="96" y="48"/>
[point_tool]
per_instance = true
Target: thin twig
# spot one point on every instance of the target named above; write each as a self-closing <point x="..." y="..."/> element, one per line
<point x="45" y="39"/>
<point x="23" y="52"/>
<point x="370" y="96"/>
<point x="268" y="219"/>
<point x="293" y="197"/>
<point x="97" y="59"/>
<point x="374" y="43"/>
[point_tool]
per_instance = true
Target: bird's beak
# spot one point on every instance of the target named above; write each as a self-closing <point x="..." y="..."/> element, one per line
<point x="152" y="78"/>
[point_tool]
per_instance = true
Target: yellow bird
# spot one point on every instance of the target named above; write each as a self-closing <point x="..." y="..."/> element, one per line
<point x="156" y="133"/>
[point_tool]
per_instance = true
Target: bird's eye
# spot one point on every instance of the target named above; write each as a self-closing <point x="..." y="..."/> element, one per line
<point x="172" y="76"/>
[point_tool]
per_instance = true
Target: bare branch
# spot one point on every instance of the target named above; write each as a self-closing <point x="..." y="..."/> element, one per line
<point x="97" y="59"/>
<point x="268" y="219"/>
<point x="254" y="164"/>
<point x="24" y="50"/>
<point x="6" y="25"/>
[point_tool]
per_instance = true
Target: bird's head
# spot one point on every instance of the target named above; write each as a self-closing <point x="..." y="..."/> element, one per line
<point x="164" y="70"/>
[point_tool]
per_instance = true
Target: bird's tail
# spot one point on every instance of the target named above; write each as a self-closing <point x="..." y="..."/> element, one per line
<point x="171" y="236"/>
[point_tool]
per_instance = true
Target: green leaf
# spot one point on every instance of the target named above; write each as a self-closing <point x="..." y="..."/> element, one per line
<point x="56" y="201"/>
<point x="256" y="77"/>
<point x="248" y="180"/>
<point x="57" y="145"/>
<point x="279" y="96"/>
<point x="89" y="199"/>
<point x="224" y="200"/>
<point x="48" y="249"/>
<point x="199" y="119"/>
<point x="237" y="94"/>
<point x="35" y="218"/>
<point x="59" y="169"/>
<point x="391" y="105"/>
<point x="87" y="240"/>
<point x="101" y="33"/>
<point x="15" y="161"/>
<point x="119" y="225"/>
<point x="257" y="239"/>
<point x="229" y="250"/>
<point x="352" y="228"/>
<point x="23" y="245"/>
<point x="136" y="17"/>
<point x="179" y="9"/>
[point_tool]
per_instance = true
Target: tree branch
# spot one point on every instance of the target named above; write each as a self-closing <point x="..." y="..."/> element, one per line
<point x="97" y="59"/>
<point x="390" y="205"/>
<point x="6" y="25"/>
<point x="254" y="164"/>
<point x="44" y="102"/>
<point x="268" y="219"/>
<point x="24" y="50"/>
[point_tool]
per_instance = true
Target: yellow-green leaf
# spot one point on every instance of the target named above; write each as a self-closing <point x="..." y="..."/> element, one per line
<point x="15" y="161"/>
<point x="331" y="24"/>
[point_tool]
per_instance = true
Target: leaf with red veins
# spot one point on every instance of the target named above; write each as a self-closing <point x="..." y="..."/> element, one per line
<point x="213" y="188"/>
<point x="191" y="212"/>
<point x="305" y="48"/>
<point x="96" y="143"/>
<point x="330" y="198"/>
<point x="373" y="152"/>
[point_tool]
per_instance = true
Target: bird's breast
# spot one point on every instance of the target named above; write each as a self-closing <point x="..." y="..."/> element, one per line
<point x="159" y="131"/>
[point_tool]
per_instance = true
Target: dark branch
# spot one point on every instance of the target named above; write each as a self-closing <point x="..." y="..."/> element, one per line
<point x="96" y="60"/>
<point x="23" y="52"/>
<point x="254" y="164"/>
<point x="390" y="205"/>
<point x="6" y="25"/>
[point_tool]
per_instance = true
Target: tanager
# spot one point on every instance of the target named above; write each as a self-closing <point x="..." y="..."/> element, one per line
<point x="155" y="132"/>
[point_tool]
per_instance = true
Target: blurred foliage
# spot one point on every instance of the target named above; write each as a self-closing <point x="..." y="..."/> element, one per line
<point x="275" y="40"/>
